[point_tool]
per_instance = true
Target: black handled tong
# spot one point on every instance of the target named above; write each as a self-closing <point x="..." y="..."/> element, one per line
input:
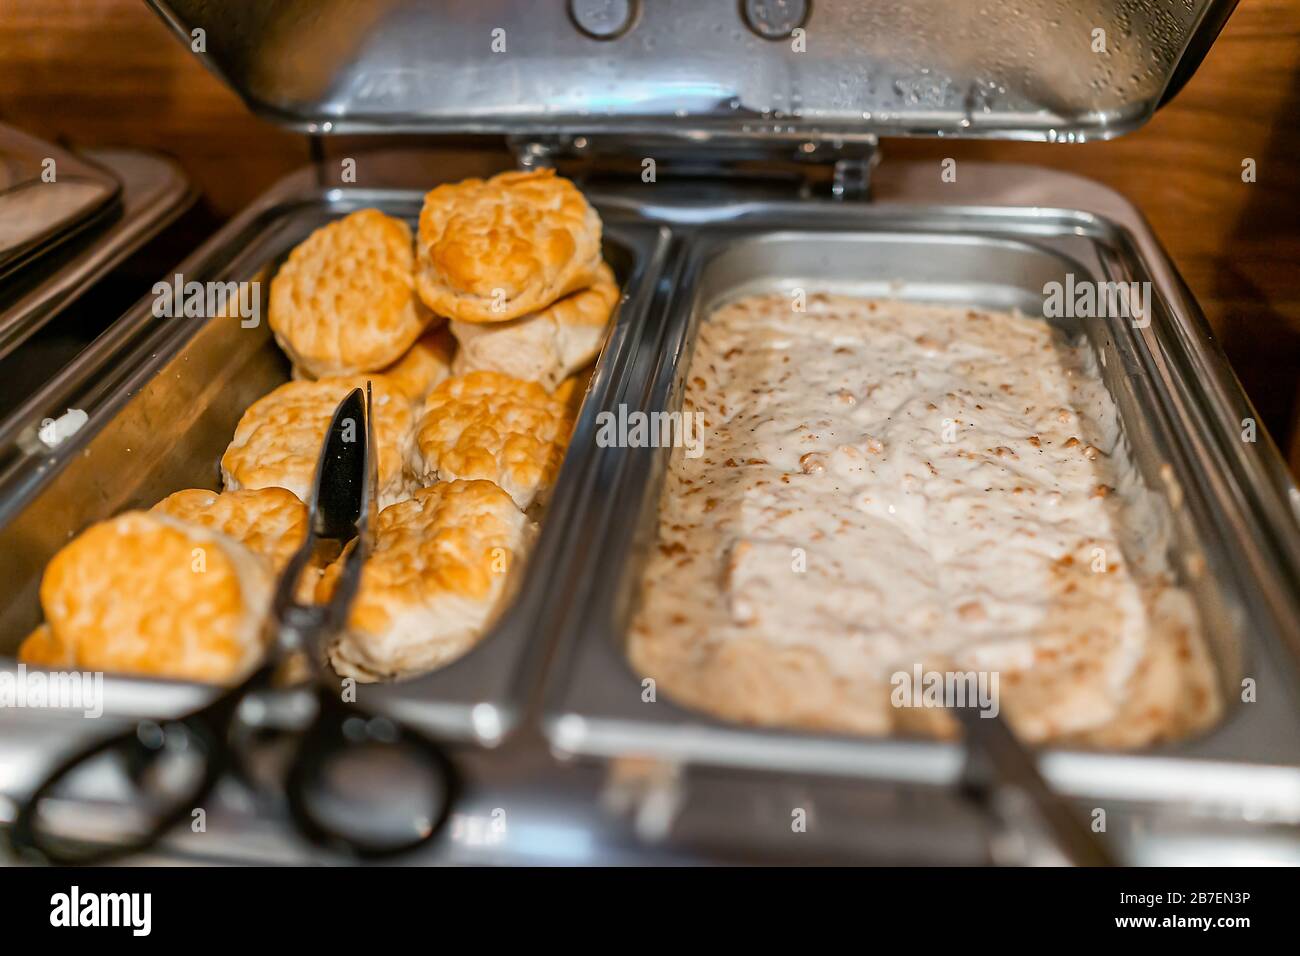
<point x="349" y="784"/>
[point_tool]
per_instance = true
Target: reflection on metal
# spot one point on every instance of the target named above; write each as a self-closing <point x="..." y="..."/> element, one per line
<point x="603" y="19"/>
<point x="775" y="19"/>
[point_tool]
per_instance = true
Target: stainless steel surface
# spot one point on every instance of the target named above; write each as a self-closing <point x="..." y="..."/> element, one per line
<point x="1037" y="70"/>
<point x="163" y="397"/>
<point x="1235" y="535"/>
<point x="46" y="195"/>
<point x="154" y="192"/>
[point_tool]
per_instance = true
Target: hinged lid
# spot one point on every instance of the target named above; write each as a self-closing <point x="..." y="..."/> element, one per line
<point x="798" y="69"/>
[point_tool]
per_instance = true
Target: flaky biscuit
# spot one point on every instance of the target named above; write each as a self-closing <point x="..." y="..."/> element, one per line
<point x="278" y="440"/>
<point x="271" y="522"/>
<point x="344" y="301"/>
<point x="145" y="593"/>
<point x="425" y="364"/>
<point x="491" y="426"/>
<point x="543" y="347"/>
<point x="434" y="581"/>
<point x="495" y="250"/>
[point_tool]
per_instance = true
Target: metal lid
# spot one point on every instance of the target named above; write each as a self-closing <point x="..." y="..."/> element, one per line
<point x="46" y="194"/>
<point x="797" y="69"/>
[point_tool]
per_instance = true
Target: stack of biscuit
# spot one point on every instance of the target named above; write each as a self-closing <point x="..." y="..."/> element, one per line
<point x="514" y="263"/>
<point x="470" y="334"/>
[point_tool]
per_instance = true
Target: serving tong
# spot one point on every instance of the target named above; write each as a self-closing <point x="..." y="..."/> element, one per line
<point x="1002" y="774"/>
<point x="342" y="513"/>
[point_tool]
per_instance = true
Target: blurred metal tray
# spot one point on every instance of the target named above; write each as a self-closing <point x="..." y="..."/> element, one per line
<point x="47" y="195"/>
<point x="153" y="192"/>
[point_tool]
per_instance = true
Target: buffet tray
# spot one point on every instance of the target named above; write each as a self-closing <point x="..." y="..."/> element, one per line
<point x="163" y="396"/>
<point x="1248" y="765"/>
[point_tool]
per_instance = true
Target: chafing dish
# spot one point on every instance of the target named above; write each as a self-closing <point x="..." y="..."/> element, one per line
<point x="553" y="735"/>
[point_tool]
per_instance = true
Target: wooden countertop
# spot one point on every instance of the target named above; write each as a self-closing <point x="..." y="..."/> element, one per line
<point x="87" y="73"/>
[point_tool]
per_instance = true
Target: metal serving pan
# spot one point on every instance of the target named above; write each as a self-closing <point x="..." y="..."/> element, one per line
<point x="163" y="398"/>
<point x="1234" y="535"/>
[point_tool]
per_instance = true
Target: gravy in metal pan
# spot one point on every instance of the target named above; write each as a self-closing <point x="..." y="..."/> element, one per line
<point x="889" y="491"/>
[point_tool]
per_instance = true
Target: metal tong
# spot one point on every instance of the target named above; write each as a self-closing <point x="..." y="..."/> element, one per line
<point x="1002" y="772"/>
<point x="172" y="766"/>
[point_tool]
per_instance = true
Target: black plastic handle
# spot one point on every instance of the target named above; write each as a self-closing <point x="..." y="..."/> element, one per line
<point x="341" y="728"/>
<point x="139" y="749"/>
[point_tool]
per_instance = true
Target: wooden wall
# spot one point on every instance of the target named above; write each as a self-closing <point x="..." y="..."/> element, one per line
<point x="106" y="72"/>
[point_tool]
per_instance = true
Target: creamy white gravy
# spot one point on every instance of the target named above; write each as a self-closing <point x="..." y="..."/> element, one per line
<point x="887" y="484"/>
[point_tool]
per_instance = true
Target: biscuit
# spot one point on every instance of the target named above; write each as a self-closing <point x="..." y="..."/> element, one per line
<point x="543" y="347"/>
<point x="488" y="425"/>
<point x="271" y="522"/>
<point x="144" y="593"/>
<point x="434" y="581"/>
<point x="344" y="301"/>
<point x="278" y="440"/>
<point x="42" y="649"/>
<point x="497" y="250"/>
<point x="427" y="363"/>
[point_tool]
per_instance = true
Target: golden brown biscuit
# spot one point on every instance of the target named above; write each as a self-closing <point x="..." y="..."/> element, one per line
<point x="144" y="593"/>
<point x="344" y="301"/>
<point x="278" y="440"/>
<point x="497" y="250"/>
<point x="271" y="522"/>
<point x="434" y="581"/>
<point x="488" y="425"/>
<point x="426" y="364"/>
<point x="543" y="347"/>
<point x="43" y="649"/>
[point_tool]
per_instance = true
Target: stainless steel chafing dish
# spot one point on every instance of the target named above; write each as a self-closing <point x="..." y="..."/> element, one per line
<point x="545" y="712"/>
